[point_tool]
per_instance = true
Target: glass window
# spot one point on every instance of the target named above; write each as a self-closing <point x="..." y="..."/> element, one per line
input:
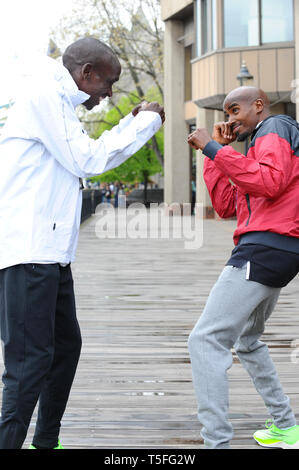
<point x="198" y="28"/>
<point x="206" y="26"/>
<point x="277" y="21"/>
<point x="214" y="24"/>
<point x="241" y="23"/>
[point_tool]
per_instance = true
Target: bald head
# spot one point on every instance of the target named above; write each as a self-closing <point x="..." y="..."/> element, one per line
<point x="246" y="94"/>
<point x="88" y="51"/>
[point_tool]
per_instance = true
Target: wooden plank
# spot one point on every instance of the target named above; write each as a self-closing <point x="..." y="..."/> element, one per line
<point x="137" y="302"/>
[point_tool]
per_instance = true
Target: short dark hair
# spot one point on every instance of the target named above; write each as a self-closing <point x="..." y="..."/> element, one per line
<point x="87" y="50"/>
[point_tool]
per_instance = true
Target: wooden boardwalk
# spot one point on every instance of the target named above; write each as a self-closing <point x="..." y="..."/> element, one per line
<point x="137" y="301"/>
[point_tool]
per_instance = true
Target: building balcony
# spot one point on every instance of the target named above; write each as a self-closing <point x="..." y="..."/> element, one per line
<point x="214" y="75"/>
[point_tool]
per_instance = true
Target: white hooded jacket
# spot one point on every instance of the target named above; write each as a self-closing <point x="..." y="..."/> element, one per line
<point x="44" y="150"/>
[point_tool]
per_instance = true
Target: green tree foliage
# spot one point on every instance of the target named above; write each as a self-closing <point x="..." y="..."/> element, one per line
<point x="134" y="30"/>
<point x="144" y="163"/>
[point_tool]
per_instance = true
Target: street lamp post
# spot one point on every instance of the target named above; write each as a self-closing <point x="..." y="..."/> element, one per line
<point x="243" y="76"/>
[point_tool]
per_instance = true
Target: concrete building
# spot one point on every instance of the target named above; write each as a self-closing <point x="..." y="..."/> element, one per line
<point x="206" y="43"/>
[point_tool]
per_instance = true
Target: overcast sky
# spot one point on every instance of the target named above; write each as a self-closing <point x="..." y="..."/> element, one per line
<point x="24" y="31"/>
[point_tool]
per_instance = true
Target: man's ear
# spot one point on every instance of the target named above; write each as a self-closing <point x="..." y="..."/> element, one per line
<point x="86" y="70"/>
<point x="259" y="105"/>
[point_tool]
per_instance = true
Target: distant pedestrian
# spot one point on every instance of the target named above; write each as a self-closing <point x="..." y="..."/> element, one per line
<point x="193" y="194"/>
<point x="116" y="193"/>
<point x="262" y="190"/>
<point x="108" y="194"/>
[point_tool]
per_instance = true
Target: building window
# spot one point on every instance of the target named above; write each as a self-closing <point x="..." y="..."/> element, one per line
<point x="206" y="11"/>
<point x="241" y="23"/>
<point x="214" y="25"/>
<point x="257" y="22"/>
<point x="277" y="21"/>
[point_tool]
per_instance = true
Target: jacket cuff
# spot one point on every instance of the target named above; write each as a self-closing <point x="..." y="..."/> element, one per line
<point x="211" y="149"/>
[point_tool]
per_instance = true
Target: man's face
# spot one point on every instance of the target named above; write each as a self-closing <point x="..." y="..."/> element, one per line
<point x="97" y="81"/>
<point x="243" y="115"/>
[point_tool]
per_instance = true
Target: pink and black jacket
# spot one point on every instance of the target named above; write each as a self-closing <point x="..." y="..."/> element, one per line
<point x="265" y="191"/>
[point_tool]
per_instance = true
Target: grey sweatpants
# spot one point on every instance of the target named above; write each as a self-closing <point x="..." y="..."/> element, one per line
<point x="234" y="316"/>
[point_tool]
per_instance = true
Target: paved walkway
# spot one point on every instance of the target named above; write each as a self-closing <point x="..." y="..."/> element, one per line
<point x="137" y="302"/>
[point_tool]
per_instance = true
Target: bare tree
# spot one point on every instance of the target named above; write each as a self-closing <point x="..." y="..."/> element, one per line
<point x="134" y="31"/>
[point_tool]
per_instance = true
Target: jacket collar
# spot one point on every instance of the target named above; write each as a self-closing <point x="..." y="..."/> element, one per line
<point x="259" y="125"/>
<point x="76" y="96"/>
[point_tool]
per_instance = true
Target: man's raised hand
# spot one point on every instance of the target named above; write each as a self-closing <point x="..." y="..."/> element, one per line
<point x="199" y="139"/>
<point x="153" y="106"/>
<point x="223" y="133"/>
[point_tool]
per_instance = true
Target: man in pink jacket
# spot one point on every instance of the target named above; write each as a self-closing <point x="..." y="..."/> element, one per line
<point x="261" y="189"/>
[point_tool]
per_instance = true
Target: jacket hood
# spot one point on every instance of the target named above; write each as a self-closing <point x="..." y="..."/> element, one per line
<point x="280" y="117"/>
<point x="284" y="117"/>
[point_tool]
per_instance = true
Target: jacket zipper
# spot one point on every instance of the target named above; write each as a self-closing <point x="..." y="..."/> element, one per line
<point x="249" y="208"/>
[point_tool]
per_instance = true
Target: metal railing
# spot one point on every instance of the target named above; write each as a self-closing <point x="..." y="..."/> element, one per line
<point x="91" y="198"/>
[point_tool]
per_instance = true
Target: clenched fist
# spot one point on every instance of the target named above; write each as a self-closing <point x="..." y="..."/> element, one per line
<point x="199" y="139"/>
<point x="154" y="106"/>
<point x="223" y="133"/>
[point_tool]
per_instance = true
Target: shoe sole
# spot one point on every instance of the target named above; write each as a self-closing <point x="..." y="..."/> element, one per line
<point x="278" y="445"/>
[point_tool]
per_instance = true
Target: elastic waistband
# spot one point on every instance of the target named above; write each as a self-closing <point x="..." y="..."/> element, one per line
<point x="273" y="240"/>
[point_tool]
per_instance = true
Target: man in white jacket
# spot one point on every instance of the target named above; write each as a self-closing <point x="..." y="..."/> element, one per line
<point x="44" y="151"/>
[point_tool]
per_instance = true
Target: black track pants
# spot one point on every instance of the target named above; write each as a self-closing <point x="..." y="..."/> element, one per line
<point x="41" y="343"/>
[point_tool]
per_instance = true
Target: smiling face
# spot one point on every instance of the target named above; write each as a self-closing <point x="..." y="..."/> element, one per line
<point x="245" y="108"/>
<point x="242" y="119"/>
<point x="97" y="80"/>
